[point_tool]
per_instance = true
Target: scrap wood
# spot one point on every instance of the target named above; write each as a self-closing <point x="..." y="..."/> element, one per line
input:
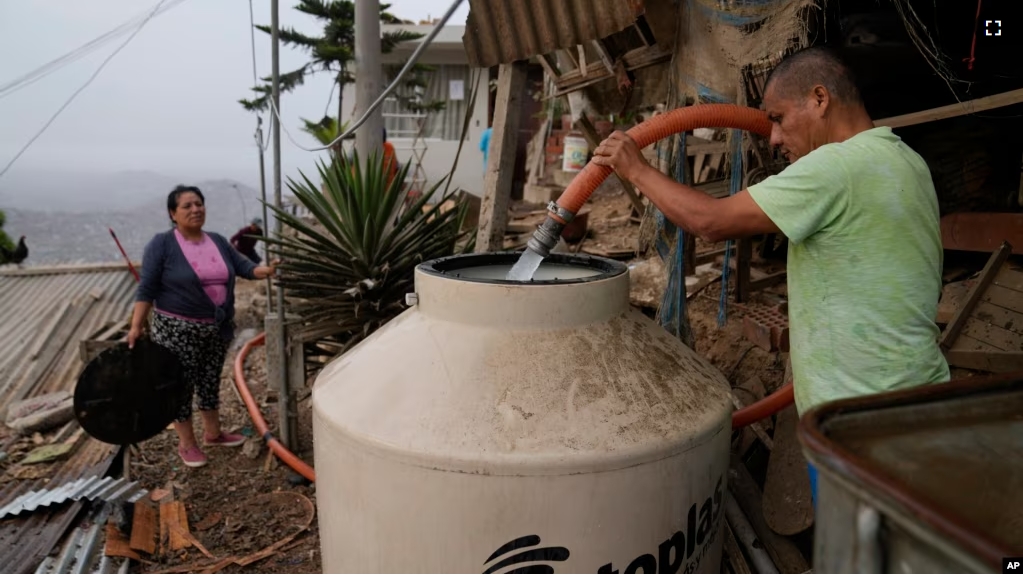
<point x="184" y="534"/>
<point x="143" y="527"/>
<point x="117" y="544"/>
<point x="209" y="521"/>
<point x="173" y="521"/>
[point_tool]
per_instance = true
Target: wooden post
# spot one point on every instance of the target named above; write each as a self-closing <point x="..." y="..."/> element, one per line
<point x="511" y="84"/>
<point x="742" y="278"/>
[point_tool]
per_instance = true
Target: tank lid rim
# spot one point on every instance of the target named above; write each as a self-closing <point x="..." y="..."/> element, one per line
<point x="441" y="267"/>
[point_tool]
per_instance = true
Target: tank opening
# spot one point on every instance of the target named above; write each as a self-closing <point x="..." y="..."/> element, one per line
<point x="555" y="269"/>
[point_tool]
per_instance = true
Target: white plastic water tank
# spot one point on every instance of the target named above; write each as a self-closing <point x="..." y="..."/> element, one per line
<point x="500" y="427"/>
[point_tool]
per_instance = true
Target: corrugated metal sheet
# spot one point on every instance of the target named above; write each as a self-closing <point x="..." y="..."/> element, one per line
<point x="26" y="541"/>
<point x="503" y="31"/>
<point x="45" y="313"/>
<point x="106" y="489"/>
<point x="82" y="551"/>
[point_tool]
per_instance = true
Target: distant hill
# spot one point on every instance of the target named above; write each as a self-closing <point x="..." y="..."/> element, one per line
<point x="62" y="191"/>
<point x="64" y="235"/>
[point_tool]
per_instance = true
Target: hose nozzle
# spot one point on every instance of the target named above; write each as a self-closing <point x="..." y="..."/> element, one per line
<point x="546" y="237"/>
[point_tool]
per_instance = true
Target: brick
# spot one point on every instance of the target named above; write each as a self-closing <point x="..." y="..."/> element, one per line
<point x="555" y="149"/>
<point x="766" y="328"/>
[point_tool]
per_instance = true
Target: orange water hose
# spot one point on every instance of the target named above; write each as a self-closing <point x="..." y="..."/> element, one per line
<point x="289" y="458"/>
<point x="766" y="407"/>
<point x="661" y="126"/>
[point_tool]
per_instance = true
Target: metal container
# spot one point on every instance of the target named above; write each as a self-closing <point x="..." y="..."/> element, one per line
<point x="535" y="427"/>
<point x="926" y="480"/>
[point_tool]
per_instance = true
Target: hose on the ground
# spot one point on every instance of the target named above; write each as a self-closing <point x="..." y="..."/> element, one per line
<point x="278" y="449"/>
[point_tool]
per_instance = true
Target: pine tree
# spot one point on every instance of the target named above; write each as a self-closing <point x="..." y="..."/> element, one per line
<point x="333" y="52"/>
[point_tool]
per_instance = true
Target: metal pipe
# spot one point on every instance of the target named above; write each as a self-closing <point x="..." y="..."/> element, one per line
<point x="369" y="140"/>
<point x="747" y="536"/>
<point x="282" y="352"/>
<point x="266" y="216"/>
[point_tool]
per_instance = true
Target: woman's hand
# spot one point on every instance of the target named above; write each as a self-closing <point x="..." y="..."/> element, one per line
<point x="133" y="335"/>
<point x="264" y="272"/>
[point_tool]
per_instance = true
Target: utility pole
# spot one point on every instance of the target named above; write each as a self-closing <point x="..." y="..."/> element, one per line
<point x="369" y="78"/>
<point x="286" y="405"/>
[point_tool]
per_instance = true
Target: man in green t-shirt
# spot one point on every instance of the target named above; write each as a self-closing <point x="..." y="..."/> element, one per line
<point x="860" y="212"/>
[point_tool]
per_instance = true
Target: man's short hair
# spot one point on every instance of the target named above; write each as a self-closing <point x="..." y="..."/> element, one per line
<point x="798" y="73"/>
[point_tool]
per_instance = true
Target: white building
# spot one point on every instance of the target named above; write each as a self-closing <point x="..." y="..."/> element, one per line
<point x="451" y="81"/>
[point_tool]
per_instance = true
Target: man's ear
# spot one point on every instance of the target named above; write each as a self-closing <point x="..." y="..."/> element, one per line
<point x="821" y="99"/>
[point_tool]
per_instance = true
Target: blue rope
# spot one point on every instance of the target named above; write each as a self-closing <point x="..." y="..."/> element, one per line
<point x="673" y="315"/>
<point x="734" y="186"/>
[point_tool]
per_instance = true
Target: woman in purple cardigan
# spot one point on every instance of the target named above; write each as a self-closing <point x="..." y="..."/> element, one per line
<point x="188" y="278"/>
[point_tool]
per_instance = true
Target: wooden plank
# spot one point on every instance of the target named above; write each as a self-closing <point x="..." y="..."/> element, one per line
<point x="953" y="110"/>
<point x="999" y="316"/>
<point x="550" y="67"/>
<point x="987" y="275"/>
<point x="144" y="527"/>
<point x="511" y="84"/>
<point x="69" y="269"/>
<point x="786" y="556"/>
<point x="967" y="343"/>
<point x="768" y="281"/>
<point x="117" y="544"/>
<point x="605" y="58"/>
<point x="1010" y="279"/>
<point x="174" y="522"/>
<point x="996" y="337"/>
<point x="990" y="361"/>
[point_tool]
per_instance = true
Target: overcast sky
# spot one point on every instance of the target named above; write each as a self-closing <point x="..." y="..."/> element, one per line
<point x="168" y="101"/>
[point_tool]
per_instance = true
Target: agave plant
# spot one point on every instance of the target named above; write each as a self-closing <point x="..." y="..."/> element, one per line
<point x="346" y="273"/>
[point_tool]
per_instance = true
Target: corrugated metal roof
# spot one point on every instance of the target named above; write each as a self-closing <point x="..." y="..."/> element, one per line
<point x="105" y="489"/>
<point x="45" y="313"/>
<point x="503" y="31"/>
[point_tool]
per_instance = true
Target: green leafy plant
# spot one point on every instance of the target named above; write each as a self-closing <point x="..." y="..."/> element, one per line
<point x="347" y="270"/>
<point x="5" y="242"/>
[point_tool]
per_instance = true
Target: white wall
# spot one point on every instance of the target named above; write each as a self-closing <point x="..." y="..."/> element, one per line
<point x="441" y="153"/>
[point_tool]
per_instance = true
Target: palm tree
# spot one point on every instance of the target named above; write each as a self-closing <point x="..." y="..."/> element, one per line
<point x="325" y="131"/>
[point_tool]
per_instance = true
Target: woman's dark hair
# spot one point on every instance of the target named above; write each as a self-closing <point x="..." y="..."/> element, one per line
<point x="175" y="195"/>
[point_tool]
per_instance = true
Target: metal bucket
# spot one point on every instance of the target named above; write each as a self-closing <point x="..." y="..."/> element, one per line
<point x="129" y="395"/>
<point x="927" y="480"/>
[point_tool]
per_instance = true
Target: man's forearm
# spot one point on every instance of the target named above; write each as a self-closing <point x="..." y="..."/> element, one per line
<point x="686" y="207"/>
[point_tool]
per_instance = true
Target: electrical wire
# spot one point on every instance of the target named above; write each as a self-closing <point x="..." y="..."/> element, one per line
<point x="80" y="90"/>
<point x="383" y="96"/>
<point x="74" y="55"/>
<point x="255" y="82"/>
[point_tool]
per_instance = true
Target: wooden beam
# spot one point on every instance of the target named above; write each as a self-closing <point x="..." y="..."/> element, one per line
<point x="954" y="110"/>
<point x="605" y="57"/>
<point x="987" y="275"/>
<point x="983" y="360"/>
<point x="742" y="277"/>
<point x="511" y="84"/>
<point x="550" y="67"/>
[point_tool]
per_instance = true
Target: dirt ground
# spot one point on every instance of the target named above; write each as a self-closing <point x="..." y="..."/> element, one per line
<point x="231" y="505"/>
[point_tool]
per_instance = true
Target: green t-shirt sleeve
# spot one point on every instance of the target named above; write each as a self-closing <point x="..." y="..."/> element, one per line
<point x="805" y="197"/>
